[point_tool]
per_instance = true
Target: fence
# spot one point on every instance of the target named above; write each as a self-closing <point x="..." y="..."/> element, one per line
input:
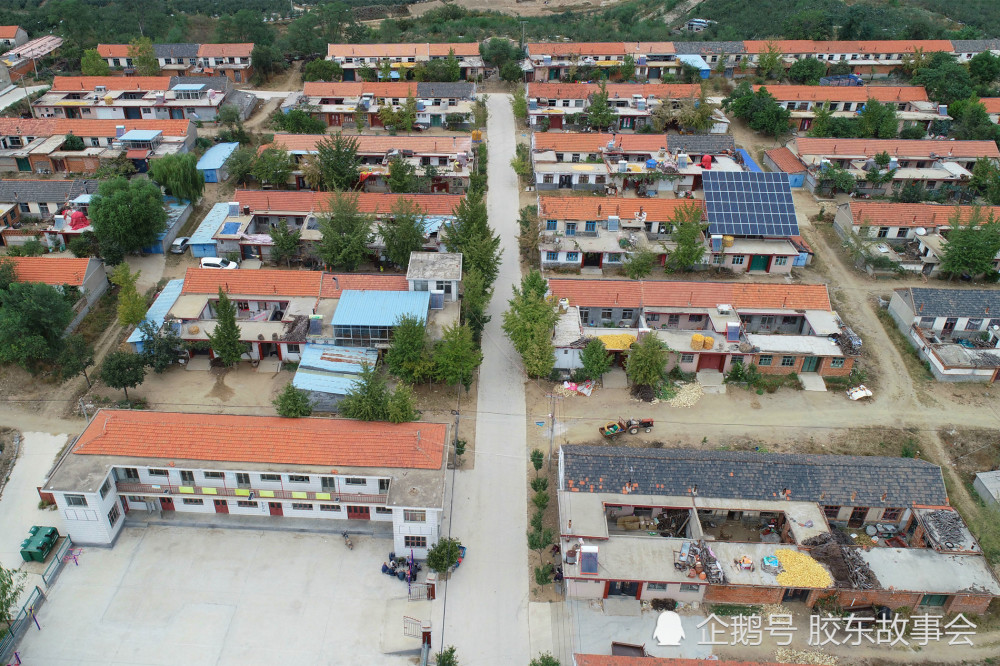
<point x="20" y="623"/>
<point x="57" y="563"/>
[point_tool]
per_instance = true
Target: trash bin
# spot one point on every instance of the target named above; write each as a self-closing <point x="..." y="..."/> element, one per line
<point x="34" y="530"/>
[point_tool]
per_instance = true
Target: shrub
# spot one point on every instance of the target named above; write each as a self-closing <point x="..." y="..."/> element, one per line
<point x="660" y="605"/>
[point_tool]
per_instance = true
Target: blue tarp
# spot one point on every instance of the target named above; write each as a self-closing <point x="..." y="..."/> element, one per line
<point x="158" y="310"/>
<point x="379" y="308"/>
<point x="331" y="369"/>
<point x="216" y="156"/>
<point x="748" y="162"/>
<point x="140" y="135"/>
<point x="230" y="228"/>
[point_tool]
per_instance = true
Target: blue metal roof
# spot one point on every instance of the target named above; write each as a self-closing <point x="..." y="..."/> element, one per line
<point x="189" y="86"/>
<point x="693" y="60"/>
<point x="140" y="135"/>
<point x="83" y="199"/>
<point x="160" y="307"/>
<point x="380" y="308"/>
<point x="331" y="369"/>
<point x="203" y="234"/>
<point x="216" y="156"/>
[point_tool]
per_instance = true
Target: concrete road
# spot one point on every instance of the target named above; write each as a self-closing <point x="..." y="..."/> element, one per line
<point x="486" y="606"/>
<point x="18" y="93"/>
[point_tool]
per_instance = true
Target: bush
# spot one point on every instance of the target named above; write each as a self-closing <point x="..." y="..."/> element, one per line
<point x="540" y="500"/>
<point x="443" y="555"/>
<point x="539" y="484"/>
<point x="543" y="574"/>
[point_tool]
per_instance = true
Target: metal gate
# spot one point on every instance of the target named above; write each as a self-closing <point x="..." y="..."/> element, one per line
<point x="417" y="592"/>
<point x="411" y="627"/>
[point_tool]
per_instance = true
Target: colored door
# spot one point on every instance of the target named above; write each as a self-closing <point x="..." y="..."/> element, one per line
<point x="358" y="513"/>
<point x="711" y="361"/>
<point x="221" y="506"/>
<point x="436" y="120"/>
<point x="623" y="589"/>
<point x="167" y="503"/>
<point x="565" y="181"/>
<point x="810" y="363"/>
<point x="555" y="122"/>
<point x="275" y="508"/>
<point x="758" y="262"/>
<point x="23" y="164"/>
<point x="858" y="515"/>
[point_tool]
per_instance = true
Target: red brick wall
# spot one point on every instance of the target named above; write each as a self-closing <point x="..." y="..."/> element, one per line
<point x="827" y="371"/>
<point x="894" y="600"/>
<point x="46" y="497"/>
<point x="823" y="368"/>
<point x="968" y="604"/>
<point x="743" y="594"/>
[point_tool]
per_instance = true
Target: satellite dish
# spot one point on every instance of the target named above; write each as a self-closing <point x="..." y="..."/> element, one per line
<point x="920" y="231"/>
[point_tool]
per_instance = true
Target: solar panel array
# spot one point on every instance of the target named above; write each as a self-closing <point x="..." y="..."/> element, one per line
<point x="740" y="203"/>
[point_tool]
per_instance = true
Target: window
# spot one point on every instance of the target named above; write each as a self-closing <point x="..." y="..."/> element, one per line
<point x="584" y="314"/>
<point x="25" y="208"/>
<point x="892" y="514"/>
<point x="787" y="361"/>
<point x="329" y="507"/>
<point x="686" y="587"/>
<point x="687" y="358"/>
<point x="157" y="472"/>
<point x="213" y="475"/>
<point x="106" y="488"/>
<point x="95" y="142"/>
<point x="297" y="478"/>
<point x="187" y="476"/>
<point x="415" y="541"/>
<point x="901" y="233"/>
<point x="355" y="481"/>
<point x="383" y="510"/>
<point x="627" y="313"/>
<point x="927" y="322"/>
<point x="590" y="225"/>
<point x="584" y="179"/>
<point x="883" y="232"/>
<point x="694" y="319"/>
<point x="789" y="321"/>
<point x="270" y="477"/>
<point x="246" y="504"/>
<point x="764" y="360"/>
<point x="653" y="317"/>
<point x="293" y="349"/>
<point x="600" y="180"/>
<point x="738" y="260"/>
<point x="576" y="156"/>
<point x="836" y="362"/>
<point x="614" y="257"/>
<point x="718" y="258"/>
<point x="606" y="313"/>
<point x="673" y="320"/>
<point x="550" y="225"/>
<point x="547" y="178"/>
<point x="551" y="256"/>
<point x="114" y="515"/>
<point x="131" y="473"/>
<point x="571" y="228"/>
<point x="656" y="587"/>
<point x="974" y="324"/>
<point x="242" y="479"/>
<point x="43" y="208"/>
<point x="194" y="501"/>
<point x="75" y="500"/>
<point x="766" y="322"/>
<point x="781" y="261"/>
<point x="572" y="256"/>
<point x="299" y="506"/>
<point x="414" y="516"/>
<point x="831" y="511"/>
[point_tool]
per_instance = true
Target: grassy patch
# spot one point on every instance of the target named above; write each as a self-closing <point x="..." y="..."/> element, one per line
<point x="918" y="368"/>
<point x="729" y="610"/>
<point x="101" y="316"/>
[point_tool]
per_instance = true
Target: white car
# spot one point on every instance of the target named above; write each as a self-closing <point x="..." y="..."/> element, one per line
<point x="217" y="262"/>
<point x="179" y="245"/>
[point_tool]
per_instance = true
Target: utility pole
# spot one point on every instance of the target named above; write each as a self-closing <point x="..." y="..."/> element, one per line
<point x="83" y="408"/>
<point x="523" y="23"/>
<point x="552" y="424"/>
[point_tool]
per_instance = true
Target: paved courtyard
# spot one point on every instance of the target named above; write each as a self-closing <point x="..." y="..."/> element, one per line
<point x="177" y="595"/>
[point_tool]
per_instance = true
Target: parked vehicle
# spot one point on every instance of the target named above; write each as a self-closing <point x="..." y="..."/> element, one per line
<point x="180" y="245"/>
<point x="612" y="429"/>
<point x="217" y="262"/>
<point x="461" y="556"/>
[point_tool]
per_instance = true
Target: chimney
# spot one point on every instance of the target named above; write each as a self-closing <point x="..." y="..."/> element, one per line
<point x="854" y="495"/>
<point x="884" y="496"/>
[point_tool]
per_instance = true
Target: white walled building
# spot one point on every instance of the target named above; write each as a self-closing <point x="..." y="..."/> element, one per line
<point x="224" y="464"/>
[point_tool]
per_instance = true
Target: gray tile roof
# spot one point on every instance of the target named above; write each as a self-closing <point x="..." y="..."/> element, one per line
<point x="460" y="89"/>
<point x="928" y="302"/>
<point x="825" y="479"/>
<point x="702" y="144"/>
<point x="699" y="48"/>
<point x="59" y="191"/>
<point x="176" y="50"/>
<point x="975" y="45"/>
<point x="214" y="82"/>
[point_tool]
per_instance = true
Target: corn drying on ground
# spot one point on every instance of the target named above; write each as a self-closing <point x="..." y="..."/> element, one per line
<point x="801" y="570"/>
<point x="788" y="656"/>
<point x="617" y="341"/>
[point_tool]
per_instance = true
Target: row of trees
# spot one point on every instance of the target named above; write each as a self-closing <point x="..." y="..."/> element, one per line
<point x="413" y="358"/>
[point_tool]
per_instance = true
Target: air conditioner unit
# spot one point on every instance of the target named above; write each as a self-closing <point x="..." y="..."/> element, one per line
<point x="724" y="308"/>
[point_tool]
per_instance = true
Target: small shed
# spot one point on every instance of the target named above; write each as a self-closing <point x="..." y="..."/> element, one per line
<point x="202" y="241"/>
<point x="785" y="161"/>
<point x="212" y="164"/>
<point x="436" y="272"/>
<point x="987" y="484"/>
<point x="696" y="61"/>
<point x="327" y="372"/>
<point x="157" y="312"/>
<point x="367" y="318"/>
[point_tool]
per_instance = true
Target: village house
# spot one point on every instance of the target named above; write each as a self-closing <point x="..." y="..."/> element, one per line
<point x="779" y="328"/>
<point x="175" y="59"/>
<point x="559" y="61"/>
<point x="230" y="60"/>
<point x="86" y="276"/>
<point x="12" y="36"/>
<point x="229" y="465"/>
<point x="242" y="225"/>
<point x="957" y="331"/>
<point x="912" y="106"/>
<point x="871" y="59"/>
<point x="563" y="104"/>
<point x="404" y="57"/>
<point x="784" y="161"/>
<point x="446" y="162"/>
<point x="933" y="164"/>
<point x="23" y="58"/>
<point x="992" y="106"/>
<point x="340" y="104"/>
<point x="713" y="526"/>
<point x="22" y="200"/>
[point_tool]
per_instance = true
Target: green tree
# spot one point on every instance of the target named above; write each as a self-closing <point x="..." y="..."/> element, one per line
<point x="769" y="61"/>
<point x="267" y="60"/>
<point x="972" y="244"/>
<point x="92" y="64"/>
<point x="497" y="52"/>
<point x="690" y="246"/>
<point x="402" y="178"/>
<point x="945" y="79"/>
<point x="759" y="109"/>
<point x="73" y="142"/>
<point x="528" y="324"/>
<point x="399" y="119"/>
<point x="371" y="400"/>
<point x="807" y="70"/>
<point x="8" y="273"/>
<point x="639" y="263"/>
<point x="971" y="122"/>
<point x="544" y="659"/>
<point x="284" y="242"/>
<point x="471" y="235"/>
<point x="161" y="346"/>
<point x="984" y="68"/>
<point x="123" y="370"/>
<point x="11" y="587"/>
<point x="600" y="115"/>
<point x="403" y="232"/>
<point x="595" y="359"/>
<point x="537" y="460"/>
<point x="336" y="164"/>
<point x="322" y="70"/>
<point x="839" y="180"/>
<point x="143" y="57"/>
<point x="878" y="120"/>
<point x="131" y="304"/>
<point x="539" y="540"/>
<point x="346" y="233"/>
<point x="180" y="176"/>
<point x="456" y="356"/>
<point x="476" y="297"/>
<point x="443" y="555"/>
<point x="647" y="359"/>
<point x="32" y="321"/>
<point x="273" y="166"/>
<point x="74" y="359"/>
<point x="244" y="27"/>
<point x="985" y="180"/>
<point x="519" y="103"/>
<point x="293" y="402"/>
<point x="297" y="121"/>
<point x="229" y="118"/>
<point x="127" y="215"/>
<point x="407" y="356"/>
<point x="511" y="72"/>
<point x="226" y="340"/>
<point x="241" y="164"/>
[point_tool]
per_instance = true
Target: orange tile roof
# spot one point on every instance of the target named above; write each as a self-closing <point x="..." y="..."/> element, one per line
<point x="592" y="143"/>
<point x="263" y="439"/>
<point x="358" y="88"/>
<point x="368" y="202"/>
<point x="397" y="50"/>
<point x="992" y="104"/>
<point x="225" y="50"/>
<point x="87" y="127"/>
<point x="27" y="126"/>
<point x="594" y="208"/>
<point x="896" y="147"/>
<point x="462" y="49"/>
<point x="785" y="160"/>
<point x="802" y="46"/>
<point x="557" y="49"/>
<point x="379" y="145"/>
<point x="619" y="660"/>
<point x="647" y="48"/>
<point x="932" y="216"/>
<point x="262" y="282"/>
<point x="615" y="90"/>
<point x="112" y="50"/>
<point x="847" y="93"/>
<point x="8" y="31"/>
<point x="653" y="293"/>
<point x="51" y="270"/>
<point x="89" y="83"/>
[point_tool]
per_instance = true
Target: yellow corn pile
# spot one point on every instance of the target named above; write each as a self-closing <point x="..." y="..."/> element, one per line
<point x="709" y="342"/>
<point x="801" y="570"/>
<point x="617" y="341"/>
<point x="697" y="341"/>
